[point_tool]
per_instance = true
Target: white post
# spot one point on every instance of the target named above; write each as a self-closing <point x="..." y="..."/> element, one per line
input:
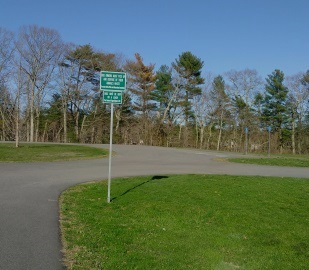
<point x="110" y="156"/>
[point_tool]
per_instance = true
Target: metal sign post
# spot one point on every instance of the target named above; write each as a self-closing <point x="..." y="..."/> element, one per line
<point x="110" y="155"/>
<point x="112" y="84"/>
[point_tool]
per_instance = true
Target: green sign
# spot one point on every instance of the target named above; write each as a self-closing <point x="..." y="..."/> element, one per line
<point x="114" y="81"/>
<point x="112" y="97"/>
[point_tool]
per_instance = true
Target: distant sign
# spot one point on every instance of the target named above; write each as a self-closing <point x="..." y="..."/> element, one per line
<point x="112" y="84"/>
<point x="114" y="81"/>
<point x="112" y="97"/>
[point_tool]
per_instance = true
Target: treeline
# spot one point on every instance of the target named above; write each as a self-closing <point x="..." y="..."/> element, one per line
<point x="49" y="92"/>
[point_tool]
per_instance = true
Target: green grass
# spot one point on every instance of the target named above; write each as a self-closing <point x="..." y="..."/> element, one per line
<point x="47" y="152"/>
<point x="290" y="161"/>
<point x="187" y="222"/>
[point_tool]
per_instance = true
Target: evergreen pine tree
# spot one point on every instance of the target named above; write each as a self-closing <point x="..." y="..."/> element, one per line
<point x="188" y="67"/>
<point x="274" y="104"/>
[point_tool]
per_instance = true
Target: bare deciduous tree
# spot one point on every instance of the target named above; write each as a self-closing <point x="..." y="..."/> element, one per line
<point x="245" y="84"/>
<point x="39" y="49"/>
<point x="203" y="106"/>
<point x="297" y="106"/>
<point x="6" y="53"/>
<point x="6" y="57"/>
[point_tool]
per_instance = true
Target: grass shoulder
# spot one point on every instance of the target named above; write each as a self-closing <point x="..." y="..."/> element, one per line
<point x="28" y="152"/>
<point x="187" y="222"/>
<point x="282" y="160"/>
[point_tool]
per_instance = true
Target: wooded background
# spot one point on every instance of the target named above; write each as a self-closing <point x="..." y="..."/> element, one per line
<point x="49" y="92"/>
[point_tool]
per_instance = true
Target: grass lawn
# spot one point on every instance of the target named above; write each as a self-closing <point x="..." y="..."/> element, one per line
<point x="290" y="161"/>
<point x="47" y="152"/>
<point x="187" y="222"/>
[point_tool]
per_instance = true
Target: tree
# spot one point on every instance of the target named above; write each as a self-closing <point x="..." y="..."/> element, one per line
<point x="6" y="57"/>
<point x="141" y="84"/>
<point x="202" y="107"/>
<point x="244" y="85"/>
<point x="221" y="103"/>
<point x="6" y="53"/>
<point x="293" y="115"/>
<point x="20" y="81"/>
<point x="79" y="77"/>
<point x="76" y="73"/>
<point x="51" y="119"/>
<point x="257" y="106"/>
<point x="164" y="92"/>
<point x="6" y="113"/>
<point x="124" y="117"/>
<point x="188" y="68"/>
<point x="297" y="106"/>
<point x="39" y="50"/>
<point x="274" y="104"/>
<point x="305" y="83"/>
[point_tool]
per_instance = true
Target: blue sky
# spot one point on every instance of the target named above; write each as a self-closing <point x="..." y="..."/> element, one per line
<point x="225" y="34"/>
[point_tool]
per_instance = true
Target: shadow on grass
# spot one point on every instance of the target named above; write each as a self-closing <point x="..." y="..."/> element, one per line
<point x="156" y="177"/>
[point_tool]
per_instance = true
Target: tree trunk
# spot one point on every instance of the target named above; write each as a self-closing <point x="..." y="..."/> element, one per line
<point x="58" y="137"/>
<point x="118" y="119"/>
<point x="169" y="104"/>
<point x="220" y="131"/>
<point x="93" y="135"/>
<point x="293" y="136"/>
<point x="82" y="129"/>
<point x="31" y="124"/>
<point x="280" y="141"/>
<point x="37" y="124"/>
<point x="76" y="126"/>
<point x="219" y="139"/>
<point x="197" y="135"/>
<point x="234" y="140"/>
<point x="17" y="129"/>
<point x="65" y="125"/>
<point x="201" y="136"/>
<point x="209" y="137"/>
<point x="17" y="109"/>
<point x="299" y="141"/>
<point x="32" y="113"/>
<point x="3" y="126"/>
<point x="28" y="130"/>
<point x="44" y="132"/>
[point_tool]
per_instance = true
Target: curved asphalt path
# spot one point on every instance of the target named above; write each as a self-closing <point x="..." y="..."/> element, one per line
<point x="29" y="225"/>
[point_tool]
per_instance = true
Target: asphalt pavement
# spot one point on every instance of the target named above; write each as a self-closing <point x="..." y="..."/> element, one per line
<point x="29" y="192"/>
